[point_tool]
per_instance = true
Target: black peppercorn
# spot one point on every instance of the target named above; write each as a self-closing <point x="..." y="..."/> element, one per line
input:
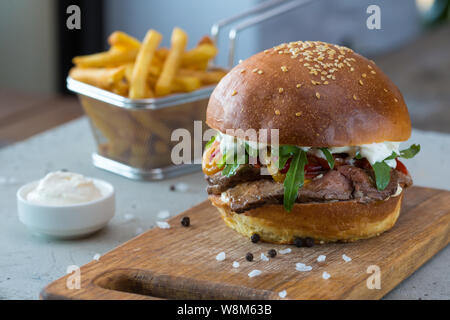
<point x="185" y="222"/>
<point x="272" y="253"/>
<point x="298" y="242"/>
<point x="172" y="187"/>
<point x="255" y="238"/>
<point x="309" y="242"/>
<point x="249" y="256"/>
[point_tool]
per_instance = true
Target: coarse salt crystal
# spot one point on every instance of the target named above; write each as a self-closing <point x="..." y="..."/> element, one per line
<point x="321" y="258"/>
<point x="326" y="275"/>
<point x="282" y="294"/>
<point x="236" y="264"/>
<point x="164" y="214"/>
<point x="221" y="256"/>
<point x="263" y="257"/>
<point x="97" y="256"/>
<point x="182" y="187"/>
<point x="163" y="224"/>
<point x="284" y="251"/>
<point x="346" y="258"/>
<point x="302" y="267"/>
<point x="254" y="273"/>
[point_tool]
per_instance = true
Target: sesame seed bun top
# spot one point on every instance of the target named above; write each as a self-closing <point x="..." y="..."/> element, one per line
<point x="317" y="94"/>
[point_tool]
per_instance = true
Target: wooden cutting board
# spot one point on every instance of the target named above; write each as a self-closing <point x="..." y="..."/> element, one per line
<point x="180" y="263"/>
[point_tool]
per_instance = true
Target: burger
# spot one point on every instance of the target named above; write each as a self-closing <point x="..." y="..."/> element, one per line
<point x="331" y="171"/>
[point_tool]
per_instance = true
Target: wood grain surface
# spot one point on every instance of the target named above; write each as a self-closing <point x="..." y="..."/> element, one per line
<point x="180" y="263"/>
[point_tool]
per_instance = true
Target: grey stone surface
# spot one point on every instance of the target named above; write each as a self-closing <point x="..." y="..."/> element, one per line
<point x="29" y="262"/>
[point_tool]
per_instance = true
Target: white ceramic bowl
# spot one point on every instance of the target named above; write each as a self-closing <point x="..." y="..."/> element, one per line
<point x="68" y="221"/>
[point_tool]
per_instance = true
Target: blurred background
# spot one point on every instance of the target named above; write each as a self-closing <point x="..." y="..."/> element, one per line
<point x="412" y="47"/>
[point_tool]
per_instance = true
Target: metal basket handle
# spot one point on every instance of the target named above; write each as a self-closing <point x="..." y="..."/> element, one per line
<point x="216" y="27"/>
<point x="267" y="13"/>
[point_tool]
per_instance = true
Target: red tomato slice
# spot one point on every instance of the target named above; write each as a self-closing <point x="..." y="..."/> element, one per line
<point x="401" y="167"/>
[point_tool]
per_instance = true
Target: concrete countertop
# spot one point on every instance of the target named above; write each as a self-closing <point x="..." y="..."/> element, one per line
<point x="29" y="262"/>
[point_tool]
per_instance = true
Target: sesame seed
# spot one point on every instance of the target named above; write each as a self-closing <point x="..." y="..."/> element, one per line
<point x="373" y="72"/>
<point x="299" y="85"/>
<point x="284" y="68"/>
<point x="360" y="82"/>
<point x="242" y="71"/>
<point x="280" y="90"/>
<point x="234" y="93"/>
<point x="298" y="114"/>
<point x="395" y="99"/>
<point x="354" y="97"/>
<point x="317" y="95"/>
<point x="260" y="72"/>
<point x="364" y="75"/>
<point x="255" y="70"/>
<point x="385" y="90"/>
<point x="325" y="82"/>
<point x="370" y="67"/>
<point x="277" y="112"/>
<point x="352" y="69"/>
<point x="265" y="51"/>
<point x="240" y="60"/>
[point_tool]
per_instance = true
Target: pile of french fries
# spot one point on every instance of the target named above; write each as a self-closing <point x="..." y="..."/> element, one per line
<point x="141" y="138"/>
<point x="144" y="70"/>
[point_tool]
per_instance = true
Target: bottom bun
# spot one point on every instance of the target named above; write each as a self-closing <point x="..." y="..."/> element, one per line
<point x="344" y="221"/>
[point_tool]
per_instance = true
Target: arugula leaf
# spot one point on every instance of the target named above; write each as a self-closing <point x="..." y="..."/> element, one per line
<point x="358" y="156"/>
<point x="329" y="157"/>
<point x="410" y="152"/>
<point x="284" y="153"/>
<point x="230" y="169"/>
<point x="295" y="178"/>
<point x="392" y="156"/>
<point x="210" y="142"/>
<point x="382" y="174"/>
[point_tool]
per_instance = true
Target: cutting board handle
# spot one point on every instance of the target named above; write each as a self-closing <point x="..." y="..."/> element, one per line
<point x="163" y="286"/>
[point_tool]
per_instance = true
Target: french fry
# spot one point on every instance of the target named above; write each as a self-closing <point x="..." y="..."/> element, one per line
<point x="111" y="58"/>
<point x="138" y="88"/>
<point x="205" y="40"/>
<point x="185" y="84"/>
<point x="123" y="40"/>
<point x="206" y="77"/>
<point x="178" y="45"/>
<point x="199" y="54"/>
<point x="154" y="70"/>
<point x="103" y="78"/>
<point x="154" y="125"/>
<point x="121" y="88"/>
<point x="129" y="71"/>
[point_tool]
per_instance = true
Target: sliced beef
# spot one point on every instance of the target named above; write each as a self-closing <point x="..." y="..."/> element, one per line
<point x="345" y="183"/>
<point x="218" y="183"/>
<point x="364" y="187"/>
<point x="332" y="186"/>
<point x="249" y="195"/>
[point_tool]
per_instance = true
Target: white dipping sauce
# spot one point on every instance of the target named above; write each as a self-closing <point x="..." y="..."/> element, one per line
<point x="64" y="188"/>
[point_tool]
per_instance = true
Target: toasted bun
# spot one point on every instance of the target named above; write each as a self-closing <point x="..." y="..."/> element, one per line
<point x="344" y="221"/>
<point x="317" y="94"/>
